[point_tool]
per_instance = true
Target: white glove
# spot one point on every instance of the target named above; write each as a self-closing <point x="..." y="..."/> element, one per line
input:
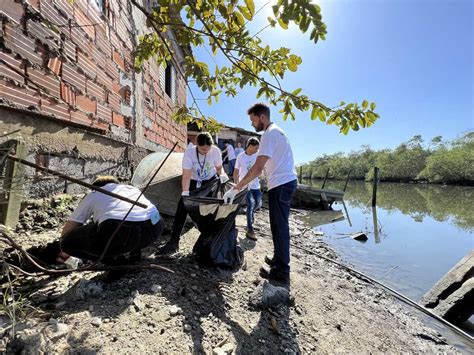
<point x="223" y="178"/>
<point x="185" y="193"/>
<point x="230" y="195"/>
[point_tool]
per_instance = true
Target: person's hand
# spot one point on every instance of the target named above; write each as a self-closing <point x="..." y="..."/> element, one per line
<point x="223" y="178"/>
<point x="230" y="195"/>
<point x="185" y="193"/>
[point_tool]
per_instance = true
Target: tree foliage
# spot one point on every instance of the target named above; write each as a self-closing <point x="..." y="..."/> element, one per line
<point x="222" y="28"/>
<point x="439" y="162"/>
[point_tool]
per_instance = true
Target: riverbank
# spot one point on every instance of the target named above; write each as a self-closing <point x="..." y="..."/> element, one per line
<point x="217" y="311"/>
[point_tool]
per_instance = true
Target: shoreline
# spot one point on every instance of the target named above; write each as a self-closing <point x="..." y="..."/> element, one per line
<point x="332" y="310"/>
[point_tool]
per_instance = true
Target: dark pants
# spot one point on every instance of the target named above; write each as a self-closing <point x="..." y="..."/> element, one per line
<point x="181" y="213"/>
<point x="89" y="241"/>
<point x="231" y="167"/>
<point x="279" y="199"/>
<point x="254" y="202"/>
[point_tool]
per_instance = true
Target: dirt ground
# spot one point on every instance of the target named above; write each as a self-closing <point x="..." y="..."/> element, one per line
<point x="216" y="311"/>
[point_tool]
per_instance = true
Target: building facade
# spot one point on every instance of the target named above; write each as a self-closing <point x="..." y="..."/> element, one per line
<point x="69" y="93"/>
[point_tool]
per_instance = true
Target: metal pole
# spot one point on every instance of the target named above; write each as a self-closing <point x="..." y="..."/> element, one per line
<point x="375" y="183"/>
<point x="325" y="178"/>
<point x="74" y="180"/>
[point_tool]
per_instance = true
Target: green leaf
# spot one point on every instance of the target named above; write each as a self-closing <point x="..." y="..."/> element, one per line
<point x="372" y="106"/>
<point x="297" y="91"/>
<point x="314" y="113"/>
<point x="282" y="24"/>
<point x="251" y="6"/>
<point x="322" y="116"/>
<point x="365" y="104"/>
<point x="244" y="11"/>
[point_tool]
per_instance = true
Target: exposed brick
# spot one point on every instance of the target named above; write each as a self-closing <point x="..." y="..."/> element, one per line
<point x="55" y="64"/>
<point x="73" y="77"/>
<point x="87" y="66"/>
<point x="21" y="97"/>
<point x="81" y="20"/>
<point x="69" y="50"/>
<point x="13" y="10"/>
<point x="103" y="78"/>
<point x="35" y="4"/>
<point x="86" y="104"/>
<point x="99" y="58"/>
<point x="78" y="37"/>
<point x="65" y="8"/>
<point x="80" y="117"/>
<point x="67" y="94"/>
<point x="118" y="60"/>
<point x="115" y="42"/>
<point x="113" y="101"/>
<point x="43" y="34"/>
<point x="11" y="68"/>
<point x="103" y="125"/>
<point x="104" y="113"/>
<point x="94" y="90"/>
<point x="47" y="82"/>
<point x="21" y="44"/>
<point x="112" y="70"/>
<point x="51" y="13"/>
<point x="118" y="119"/>
<point x="54" y="108"/>
<point x="116" y="88"/>
<point x="103" y="43"/>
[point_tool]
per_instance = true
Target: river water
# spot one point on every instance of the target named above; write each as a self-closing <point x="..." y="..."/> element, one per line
<point x="417" y="233"/>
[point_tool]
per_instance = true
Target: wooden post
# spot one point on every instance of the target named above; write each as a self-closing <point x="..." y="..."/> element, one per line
<point x="347" y="180"/>
<point x="376" y="225"/>
<point x="375" y="183"/>
<point x="325" y="178"/>
<point x="301" y="173"/>
<point x="12" y="194"/>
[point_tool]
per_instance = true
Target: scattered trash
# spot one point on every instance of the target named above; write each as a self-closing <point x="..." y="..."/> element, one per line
<point x="362" y="237"/>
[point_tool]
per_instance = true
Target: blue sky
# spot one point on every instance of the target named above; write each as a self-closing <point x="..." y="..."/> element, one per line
<point x="414" y="58"/>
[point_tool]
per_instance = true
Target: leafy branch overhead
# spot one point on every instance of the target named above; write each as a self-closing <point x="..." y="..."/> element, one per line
<point x="220" y="27"/>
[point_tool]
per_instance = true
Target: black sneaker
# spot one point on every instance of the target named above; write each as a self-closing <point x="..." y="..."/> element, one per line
<point x="273" y="275"/>
<point x="269" y="260"/>
<point x="170" y="248"/>
<point x="251" y="235"/>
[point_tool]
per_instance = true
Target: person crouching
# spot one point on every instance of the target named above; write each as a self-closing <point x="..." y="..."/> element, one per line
<point x="141" y="227"/>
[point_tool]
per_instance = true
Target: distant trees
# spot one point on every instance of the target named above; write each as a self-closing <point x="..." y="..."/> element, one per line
<point x="436" y="162"/>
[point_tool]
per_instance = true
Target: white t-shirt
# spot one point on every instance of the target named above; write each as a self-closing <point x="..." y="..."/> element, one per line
<point x="238" y="151"/>
<point x="203" y="167"/>
<point x="280" y="167"/>
<point x="230" y="152"/>
<point x="190" y="145"/>
<point x="244" y="162"/>
<point x="101" y="206"/>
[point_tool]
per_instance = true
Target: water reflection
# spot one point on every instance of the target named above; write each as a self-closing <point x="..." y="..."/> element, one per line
<point x="452" y="204"/>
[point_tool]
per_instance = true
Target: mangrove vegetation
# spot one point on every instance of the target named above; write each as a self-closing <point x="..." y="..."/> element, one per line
<point x="435" y="161"/>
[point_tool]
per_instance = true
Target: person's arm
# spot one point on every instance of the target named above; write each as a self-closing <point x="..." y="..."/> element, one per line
<point x="69" y="226"/>
<point x="186" y="179"/>
<point x="255" y="170"/>
<point x="236" y="175"/>
<point x="218" y="169"/>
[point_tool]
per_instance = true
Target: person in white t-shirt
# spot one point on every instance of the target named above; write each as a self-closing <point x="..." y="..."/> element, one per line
<point x="243" y="164"/>
<point x="201" y="165"/>
<point x="238" y="150"/>
<point x="276" y="156"/>
<point x="190" y="144"/>
<point x="229" y="155"/>
<point x="141" y="227"/>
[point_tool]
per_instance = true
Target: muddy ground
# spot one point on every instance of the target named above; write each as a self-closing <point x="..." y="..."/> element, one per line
<point x="204" y="310"/>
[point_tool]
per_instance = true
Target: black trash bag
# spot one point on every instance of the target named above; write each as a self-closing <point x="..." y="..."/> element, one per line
<point x="217" y="243"/>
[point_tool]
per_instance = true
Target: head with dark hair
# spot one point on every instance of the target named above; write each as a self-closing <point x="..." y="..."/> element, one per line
<point x="204" y="142"/>
<point x="252" y="146"/>
<point x="260" y="116"/>
<point x="102" y="180"/>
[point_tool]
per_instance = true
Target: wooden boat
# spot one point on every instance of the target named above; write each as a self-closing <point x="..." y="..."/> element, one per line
<point x="313" y="198"/>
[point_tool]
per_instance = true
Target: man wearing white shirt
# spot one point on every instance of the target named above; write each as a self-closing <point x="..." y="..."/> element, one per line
<point x="243" y="164"/>
<point x="229" y="153"/>
<point x="276" y="156"/>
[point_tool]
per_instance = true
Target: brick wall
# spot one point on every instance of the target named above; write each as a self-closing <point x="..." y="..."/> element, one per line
<point x="80" y="72"/>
